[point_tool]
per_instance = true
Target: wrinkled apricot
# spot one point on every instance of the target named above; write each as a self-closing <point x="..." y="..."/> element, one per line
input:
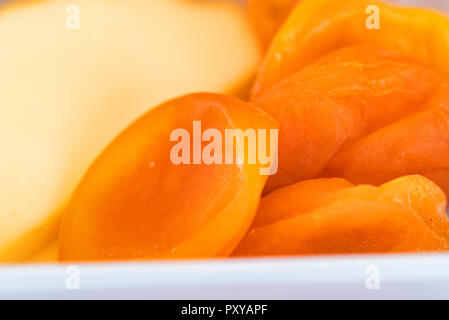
<point x="135" y="203"/>
<point x="403" y="215"/>
<point x="317" y="27"/>
<point x="423" y="196"/>
<point x="268" y="15"/>
<point x="440" y="177"/>
<point x="345" y="226"/>
<point x="416" y="191"/>
<point x="416" y="144"/>
<point x="297" y="198"/>
<point x="342" y="97"/>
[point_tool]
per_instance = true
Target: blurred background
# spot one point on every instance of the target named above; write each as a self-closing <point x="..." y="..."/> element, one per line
<point x="441" y="4"/>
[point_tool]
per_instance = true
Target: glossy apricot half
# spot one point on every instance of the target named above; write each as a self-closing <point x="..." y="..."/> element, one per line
<point x="135" y="203"/>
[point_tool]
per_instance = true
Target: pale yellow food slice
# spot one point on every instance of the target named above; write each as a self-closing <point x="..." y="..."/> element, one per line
<point x="64" y="94"/>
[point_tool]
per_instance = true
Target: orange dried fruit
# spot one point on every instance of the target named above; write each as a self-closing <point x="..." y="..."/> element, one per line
<point x="346" y="226"/>
<point x="316" y="27"/>
<point x="346" y="95"/>
<point x="135" y="203"/>
<point x="416" y="144"/>
<point x="267" y="16"/>
<point x="424" y="196"/>
<point x="284" y="203"/>
<point x="404" y="215"/>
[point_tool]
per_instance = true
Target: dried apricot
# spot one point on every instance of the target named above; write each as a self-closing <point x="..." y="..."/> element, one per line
<point x="403" y="215"/>
<point x="135" y="203"/>
<point x="317" y="27"/>
<point x="268" y="15"/>
<point x="349" y="94"/>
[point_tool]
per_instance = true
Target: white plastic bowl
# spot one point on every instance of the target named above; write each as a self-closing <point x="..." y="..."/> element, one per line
<point x="417" y="276"/>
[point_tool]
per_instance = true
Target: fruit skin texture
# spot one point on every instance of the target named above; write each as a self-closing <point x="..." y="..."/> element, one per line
<point x="267" y="16"/>
<point x="343" y="99"/>
<point x="284" y="203"/>
<point x="65" y="94"/>
<point x="404" y="215"/>
<point x="317" y="27"/>
<point x="423" y="196"/>
<point x="134" y="203"/>
<point x="417" y="144"/>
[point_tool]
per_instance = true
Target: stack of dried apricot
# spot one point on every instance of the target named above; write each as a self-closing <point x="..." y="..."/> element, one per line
<point x="362" y="110"/>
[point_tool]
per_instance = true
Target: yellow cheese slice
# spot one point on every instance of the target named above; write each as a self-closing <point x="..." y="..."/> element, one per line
<point x="66" y="92"/>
